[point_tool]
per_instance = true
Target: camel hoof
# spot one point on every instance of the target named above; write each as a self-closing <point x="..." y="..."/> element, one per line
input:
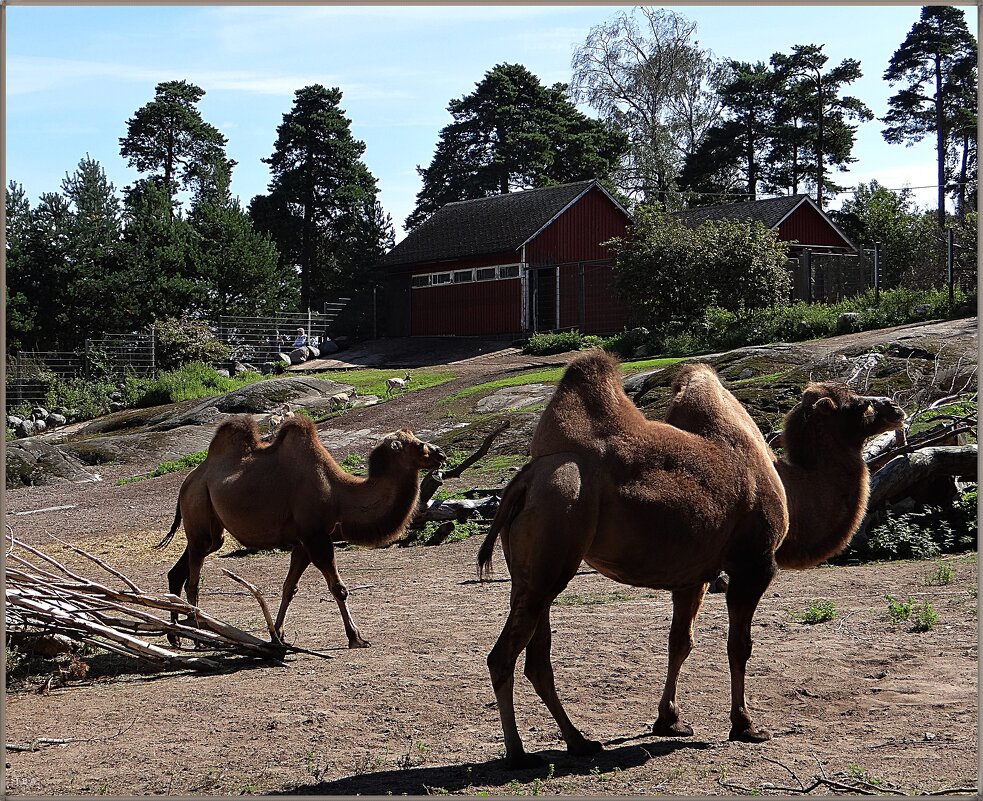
<point x="677" y="728"/>
<point x="584" y="748"/>
<point x="523" y="761"/>
<point x="358" y="643"/>
<point x="749" y="734"/>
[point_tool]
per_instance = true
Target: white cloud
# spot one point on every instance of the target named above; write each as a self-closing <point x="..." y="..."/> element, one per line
<point x="31" y="75"/>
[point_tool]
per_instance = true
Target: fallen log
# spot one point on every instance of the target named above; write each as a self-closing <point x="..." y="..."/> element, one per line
<point x="460" y="509"/>
<point x="906" y="470"/>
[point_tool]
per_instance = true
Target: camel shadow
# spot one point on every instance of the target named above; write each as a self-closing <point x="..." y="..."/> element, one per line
<point x="495" y="774"/>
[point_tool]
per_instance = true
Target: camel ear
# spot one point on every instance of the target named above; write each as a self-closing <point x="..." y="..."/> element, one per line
<point x="396" y="445"/>
<point x="824" y="406"/>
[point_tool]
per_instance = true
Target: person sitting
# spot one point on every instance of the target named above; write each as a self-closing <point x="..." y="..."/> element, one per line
<point x="300" y="340"/>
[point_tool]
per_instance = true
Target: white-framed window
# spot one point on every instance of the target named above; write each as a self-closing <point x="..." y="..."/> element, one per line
<point x="497" y="272"/>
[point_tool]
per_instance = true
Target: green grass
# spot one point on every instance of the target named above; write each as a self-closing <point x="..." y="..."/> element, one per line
<point x="924" y="617"/>
<point x="551" y="375"/>
<point x="190" y="382"/>
<point x="939" y="577"/>
<point x="189" y="460"/>
<point x="372" y="381"/>
<point x="818" y="611"/>
<point x="898" y="611"/>
<point x="591" y="598"/>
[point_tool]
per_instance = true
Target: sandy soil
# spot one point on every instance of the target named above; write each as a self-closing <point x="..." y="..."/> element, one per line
<point x="856" y="699"/>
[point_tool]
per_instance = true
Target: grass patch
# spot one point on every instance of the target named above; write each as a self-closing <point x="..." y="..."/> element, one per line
<point x="898" y="611"/>
<point x="372" y="381"/>
<point x="551" y="375"/>
<point x="939" y="577"/>
<point x="924" y="617"/>
<point x="189" y="460"/>
<point x="190" y="382"/>
<point x="818" y="611"/>
<point x="591" y="598"/>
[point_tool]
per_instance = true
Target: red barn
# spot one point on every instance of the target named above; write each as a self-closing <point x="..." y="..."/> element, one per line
<point x="519" y="262"/>
<point x="796" y="218"/>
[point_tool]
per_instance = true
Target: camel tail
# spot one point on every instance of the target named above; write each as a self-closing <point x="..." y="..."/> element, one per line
<point x="170" y="534"/>
<point x="513" y="500"/>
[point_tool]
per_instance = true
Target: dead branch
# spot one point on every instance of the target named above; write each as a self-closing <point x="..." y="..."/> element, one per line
<point x="98" y="561"/>
<point x="908" y="469"/>
<point x="259" y="598"/>
<point x="122" y="621"/>
<point x="37" y="742"/>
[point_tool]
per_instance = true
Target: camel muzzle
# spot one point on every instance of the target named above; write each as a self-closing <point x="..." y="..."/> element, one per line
<point x="888" y="411"/>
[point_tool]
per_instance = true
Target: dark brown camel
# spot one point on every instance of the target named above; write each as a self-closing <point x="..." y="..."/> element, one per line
<point x="292" y="494"/>
<point x="678" y="506"/>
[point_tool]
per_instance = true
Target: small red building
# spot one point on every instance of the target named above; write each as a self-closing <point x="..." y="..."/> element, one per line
<point x="519" y="262"/>
<point x="796" y="218"/>
<point x="534" y="260"/>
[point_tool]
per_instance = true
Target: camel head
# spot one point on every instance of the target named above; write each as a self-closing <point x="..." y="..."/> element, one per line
<point x="403" y="450"/>
<point x="832" y="413"/>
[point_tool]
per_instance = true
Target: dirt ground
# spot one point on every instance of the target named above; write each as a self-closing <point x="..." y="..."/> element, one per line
<point x="856" y="700"/>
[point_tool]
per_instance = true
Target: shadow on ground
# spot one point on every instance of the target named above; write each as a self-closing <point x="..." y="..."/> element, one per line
<point x="494" y="773"/>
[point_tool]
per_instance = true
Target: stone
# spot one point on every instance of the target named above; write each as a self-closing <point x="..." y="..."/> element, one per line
<point x="922" y="310"/>
<point x="297" y="355"/>
<point x="55" y="420"/>
<point x="746" y="373"/>
<point x="13" y="421"/>
<point x="26" y="428"/>
<point x="39" y="413"/>
<point x="40" y="426"/>
<point x="848" y="322"/>
<point x="224" y="373"/>
<point x="641" y="352"/>
<point x="329" y="346"/>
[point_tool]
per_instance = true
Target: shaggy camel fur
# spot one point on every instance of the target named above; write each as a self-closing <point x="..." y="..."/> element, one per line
<point x="291" y="494"/>
<point x="646" y="504"/>
<point x="823" y="473"/>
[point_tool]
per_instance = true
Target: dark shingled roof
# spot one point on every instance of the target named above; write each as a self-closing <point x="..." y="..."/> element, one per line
<point x="486" y="225"/>
<point x="769" y="212"/>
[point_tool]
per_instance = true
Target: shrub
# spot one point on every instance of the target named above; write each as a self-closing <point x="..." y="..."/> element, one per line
<point x="924" y="617"/>
<point x="190" y="381"/>
<point x="561" y="342"/>
<point x="818" y="611"/>
<point x="182" y="340"/>
<point x="898" y="611"/>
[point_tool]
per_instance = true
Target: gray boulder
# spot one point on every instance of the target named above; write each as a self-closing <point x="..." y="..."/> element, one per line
<point x="55" y="420"/>
<point x="328" y="346"/>
<point x="38" y="462"/>
<point x="13" y="420"/>
<point x="848" y="322"/>
<point x="26" y="428"/>
<point x="39" y="413"/>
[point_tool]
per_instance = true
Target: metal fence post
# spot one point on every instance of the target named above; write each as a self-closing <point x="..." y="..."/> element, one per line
<point x="950" y="267"/>
<point x="877" y="272"/>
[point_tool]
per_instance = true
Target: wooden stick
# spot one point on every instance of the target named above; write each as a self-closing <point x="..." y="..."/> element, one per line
<point x="259" y="598"/>
<point x="99" y="562"/>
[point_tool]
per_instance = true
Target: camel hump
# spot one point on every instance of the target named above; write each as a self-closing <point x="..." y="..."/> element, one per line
<point x="593" y="369"/>
<point x="237" y="435"/>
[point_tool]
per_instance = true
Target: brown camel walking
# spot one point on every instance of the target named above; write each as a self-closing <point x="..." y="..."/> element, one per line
<point x="678" y="506"/>
<point x="292" y="494"/>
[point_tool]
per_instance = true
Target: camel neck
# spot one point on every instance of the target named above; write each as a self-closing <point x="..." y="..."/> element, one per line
<point x="376" y="510"/>
<point x="827" y="499"/>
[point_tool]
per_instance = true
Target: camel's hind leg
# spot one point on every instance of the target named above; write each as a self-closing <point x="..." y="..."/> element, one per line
<point x="745" y="591"/>
<point x="299" y="561"/>
<point x="539" y="671"/>
<point x="321" y="550"/>
<point x="544" y="546"/>
<point x="685" y="607"/>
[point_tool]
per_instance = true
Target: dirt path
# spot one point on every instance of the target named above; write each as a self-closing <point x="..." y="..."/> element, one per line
<point x="855" y="699"/>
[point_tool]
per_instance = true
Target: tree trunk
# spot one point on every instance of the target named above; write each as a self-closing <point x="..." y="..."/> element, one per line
<point x="904" y="472"/>
<point x="940" y="142"/>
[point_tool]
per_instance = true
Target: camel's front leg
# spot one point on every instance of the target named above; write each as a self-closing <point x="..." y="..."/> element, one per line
<point x="743" y="595"/>
<point x="322" y="555"/>
<point x="685" y="607"/>
<point x="299" y="561"/>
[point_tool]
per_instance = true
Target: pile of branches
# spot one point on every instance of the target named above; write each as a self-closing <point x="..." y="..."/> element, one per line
<point x="49" y="603"/>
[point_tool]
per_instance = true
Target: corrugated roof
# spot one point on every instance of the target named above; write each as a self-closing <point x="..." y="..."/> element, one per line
<point x="486" y="225"/>
<point x="770" y="212"/>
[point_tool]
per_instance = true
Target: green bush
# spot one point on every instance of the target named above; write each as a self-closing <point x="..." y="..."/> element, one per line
<point x="191" y="381"/>
<point x="182" y="340"/>
<point x="561" y="342"/>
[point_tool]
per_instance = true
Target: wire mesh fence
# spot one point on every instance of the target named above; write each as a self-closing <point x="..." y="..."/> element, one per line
<point x="260" y="339"/>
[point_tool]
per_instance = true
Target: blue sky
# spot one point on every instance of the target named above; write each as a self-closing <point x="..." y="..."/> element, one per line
<point x="75" y="75"/>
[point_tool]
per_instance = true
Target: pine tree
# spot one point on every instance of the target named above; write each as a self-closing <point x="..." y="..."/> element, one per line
<point x="730" y="163"/>
<point x="513" y="133"/>
<point x="322" y="210"/>
<point x="937" y="60"/>
<point x="168" y="138"/>
<point x="814" y="101"/>
<point x="21" y="312"/>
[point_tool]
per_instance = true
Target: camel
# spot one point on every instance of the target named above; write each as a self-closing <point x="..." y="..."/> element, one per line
<point x="649" y="504"/>
<point x="291" y="494"/>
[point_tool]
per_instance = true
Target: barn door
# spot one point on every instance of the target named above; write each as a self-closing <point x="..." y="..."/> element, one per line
<point x="542" y="298"/>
